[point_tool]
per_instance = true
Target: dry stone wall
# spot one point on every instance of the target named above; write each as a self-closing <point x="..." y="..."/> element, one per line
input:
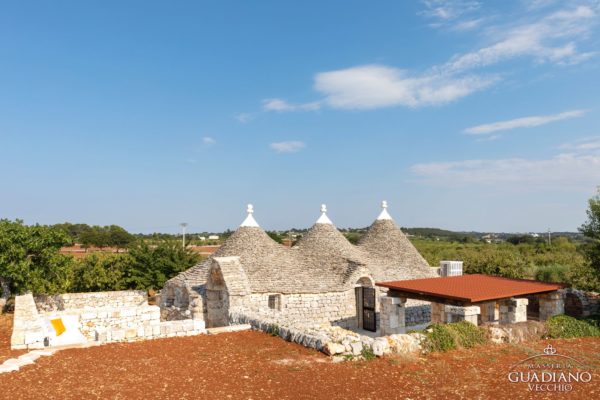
<point x="103" y="316"/>
<point x="116" y="299"/>
<point x="333" y="340"/>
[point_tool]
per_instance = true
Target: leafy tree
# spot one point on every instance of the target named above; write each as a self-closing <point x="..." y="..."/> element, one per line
<point x="591" y="229"/>
<point x="153" y="265"/>
<point x="275" y="236"/>
<point x="100" y="272"/>
<point x="29" y="258"/>
<point x="119" y="237"/>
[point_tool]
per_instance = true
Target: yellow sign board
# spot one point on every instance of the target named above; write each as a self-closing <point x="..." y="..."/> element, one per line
<point x="58" y="326"/>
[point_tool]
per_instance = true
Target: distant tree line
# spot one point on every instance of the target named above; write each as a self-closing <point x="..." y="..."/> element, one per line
<point x="30" y="261"/>
<point x="97" y="236"/>
<point x="30" y="258"/>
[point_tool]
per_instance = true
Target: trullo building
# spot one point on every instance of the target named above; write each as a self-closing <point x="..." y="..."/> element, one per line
<point x="323" y="278"/>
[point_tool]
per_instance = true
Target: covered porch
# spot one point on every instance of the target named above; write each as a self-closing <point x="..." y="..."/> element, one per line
<point x="475" y="298"/>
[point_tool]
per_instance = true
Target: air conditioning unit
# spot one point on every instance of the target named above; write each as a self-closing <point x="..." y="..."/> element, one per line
<point x="451" y="268"/>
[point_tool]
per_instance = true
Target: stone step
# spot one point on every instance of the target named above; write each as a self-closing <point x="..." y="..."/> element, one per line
<point x="230" y="328"/>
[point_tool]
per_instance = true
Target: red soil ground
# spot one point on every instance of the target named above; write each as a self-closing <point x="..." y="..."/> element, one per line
<point x="253" y="365"/>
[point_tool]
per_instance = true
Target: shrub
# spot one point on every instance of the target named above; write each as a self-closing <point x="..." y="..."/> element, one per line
<point x="563" y="326"/>
<point x="438" y="338"/>
<point x="367" y="353"/>
<point x="444" y="337"/>
<point x="552" y="273"/>
<point x="467" y="335"/>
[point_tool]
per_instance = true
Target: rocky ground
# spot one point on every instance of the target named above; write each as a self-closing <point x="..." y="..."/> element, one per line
<point x="254" y="365"/>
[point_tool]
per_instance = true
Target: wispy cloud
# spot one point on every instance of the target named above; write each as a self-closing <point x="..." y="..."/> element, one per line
<point x="281" y="105"/>
<point x="448" y="9"/>
<point x="550" y="38"/>
<point x="573" y="170"/>
<point x="244" y="117"/>
<point x="375" y="86"/>
<point x="208" y="141"/>
<point x="583" y="145"/>
<point x="525" y="122"/>
<point x="288" y="147"/>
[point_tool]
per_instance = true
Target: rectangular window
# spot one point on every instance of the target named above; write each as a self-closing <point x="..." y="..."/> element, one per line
<point x="275" y="302"/>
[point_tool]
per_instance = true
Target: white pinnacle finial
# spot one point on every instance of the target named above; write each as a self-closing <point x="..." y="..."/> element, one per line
<point x="323" y="219"/>
<point x="250" y="221"/>
<point x="384" y="213"/>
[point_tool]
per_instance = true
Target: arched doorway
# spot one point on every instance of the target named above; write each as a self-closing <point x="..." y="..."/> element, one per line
<point x="366" y="301"/>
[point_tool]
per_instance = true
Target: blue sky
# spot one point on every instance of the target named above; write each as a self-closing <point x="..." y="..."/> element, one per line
<point x="463" y="115"/>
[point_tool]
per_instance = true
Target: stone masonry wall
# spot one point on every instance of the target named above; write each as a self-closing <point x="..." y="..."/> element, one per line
<point x="28" y="327"/>
<point x="116" y="299"/>
<point x="338" y="308"/>
<point x="103" y="316"/>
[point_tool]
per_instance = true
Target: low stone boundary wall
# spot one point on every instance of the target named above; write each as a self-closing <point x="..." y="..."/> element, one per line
<point x="333" y="340"/>
<point x="116" y="299"/>
<point x="153" y="330"/>
<point x="102" y="317"/>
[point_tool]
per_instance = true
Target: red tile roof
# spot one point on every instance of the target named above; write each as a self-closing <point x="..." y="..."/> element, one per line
<point x="472" y="288"/>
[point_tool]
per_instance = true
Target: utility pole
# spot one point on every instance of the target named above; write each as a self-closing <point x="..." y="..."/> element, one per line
<point x="549" y="238"/>
<point x="183" y="226"/>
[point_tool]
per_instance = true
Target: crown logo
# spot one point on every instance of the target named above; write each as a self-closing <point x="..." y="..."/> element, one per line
<point x="549" y="350"/>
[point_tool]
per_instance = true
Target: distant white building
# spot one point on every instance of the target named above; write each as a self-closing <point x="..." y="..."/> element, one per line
<point x="213" y="237"/>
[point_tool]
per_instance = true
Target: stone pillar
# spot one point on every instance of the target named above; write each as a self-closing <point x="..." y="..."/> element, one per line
<point x="490" y="313"/>
<point x="459" y="313"/>
<point x="438" y="313"/>
<point x="392" y="315"/>
<point x="28" y="326"/>
<point x="513" y="310"/>
<point x="551" y="304"/>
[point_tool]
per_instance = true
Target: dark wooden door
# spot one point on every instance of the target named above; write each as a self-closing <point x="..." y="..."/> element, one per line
<point x="369" y="321"/>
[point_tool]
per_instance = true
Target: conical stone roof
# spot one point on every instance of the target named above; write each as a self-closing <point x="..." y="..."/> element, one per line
<point x="322" y="261"/>
<point x="385" y="242"/>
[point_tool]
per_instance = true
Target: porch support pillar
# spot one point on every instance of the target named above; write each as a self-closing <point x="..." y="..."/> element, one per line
<point x="392" y="315"/>
<point x="513" y="310"/>
<point x="551" y="304"/>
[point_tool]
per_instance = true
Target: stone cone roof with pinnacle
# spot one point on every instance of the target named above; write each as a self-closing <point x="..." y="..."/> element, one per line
<point x="322" y="261"/>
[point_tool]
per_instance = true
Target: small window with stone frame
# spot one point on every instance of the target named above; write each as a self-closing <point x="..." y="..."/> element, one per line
<point x="275" y="302"/>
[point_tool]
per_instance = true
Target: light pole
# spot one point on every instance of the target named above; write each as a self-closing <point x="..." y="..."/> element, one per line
<point x="183" y="226"/>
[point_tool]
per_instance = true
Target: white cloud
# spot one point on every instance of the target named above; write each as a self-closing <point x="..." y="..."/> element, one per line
<point x="281" y="105"/>
<point x="525" y="122"/>
<point x="374" y="86"/>
<point x="584" y="145"/>
<point x="208" y="141"/>
<point x="448" y="9"/>
<point x="574" y="170"/>
<point x="288" y="147"/>
<point x="468" y="24"/>
<point x="244" y="117"/>
<point x="550" y="39"/>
